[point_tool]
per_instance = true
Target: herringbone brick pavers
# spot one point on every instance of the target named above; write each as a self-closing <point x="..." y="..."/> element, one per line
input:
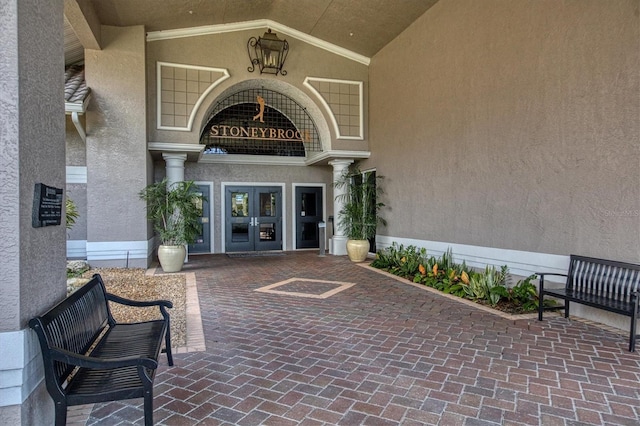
<point x="381" y="352"/>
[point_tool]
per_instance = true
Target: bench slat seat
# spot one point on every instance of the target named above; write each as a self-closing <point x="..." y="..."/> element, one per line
<point x="132" y="339"/>
<point x="599" y="283"/>
<point x="88" y="357"/>
<point x="94" y="386"/>
<point x="596" y="301"/>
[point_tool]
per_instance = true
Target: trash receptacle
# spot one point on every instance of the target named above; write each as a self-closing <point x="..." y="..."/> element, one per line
<point x="321" y="236"/>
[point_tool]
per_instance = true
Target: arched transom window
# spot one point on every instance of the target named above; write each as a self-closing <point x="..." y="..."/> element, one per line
<point x="259" y="122"/>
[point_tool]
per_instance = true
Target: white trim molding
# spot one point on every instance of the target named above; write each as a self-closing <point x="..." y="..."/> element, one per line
<point x="328" y="156"/>
<point x="255" y="25"/>
<point x="118" y="250"/>
<point x="522" y="263"/>
<point x="256" y="160"/>
<point x="313" y="159"/>
<point x="21" y="370"/>
<point x="193" y="150"/>
<point x="225" y="75"/>
<point x="307" y="83"/>
<point x="76" y="174"/>
<point x="77" y="249"/>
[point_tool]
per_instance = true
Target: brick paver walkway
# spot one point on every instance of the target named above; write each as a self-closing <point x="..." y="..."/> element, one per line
<point x="379" y="352"/>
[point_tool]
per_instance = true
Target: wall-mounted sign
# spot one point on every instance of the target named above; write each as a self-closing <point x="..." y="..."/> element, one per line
<point x="47" y="206"/>
<point x="260" y="122"/>
<point x="260" y="133"/>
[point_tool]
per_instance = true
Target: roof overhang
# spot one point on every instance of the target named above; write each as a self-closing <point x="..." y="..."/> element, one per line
<point x="77" y="107"/>
<point x="193" y="151"/>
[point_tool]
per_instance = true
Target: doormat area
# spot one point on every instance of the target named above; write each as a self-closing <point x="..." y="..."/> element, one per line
<point x="305" y="287"/>
<point x="256" y="254"/>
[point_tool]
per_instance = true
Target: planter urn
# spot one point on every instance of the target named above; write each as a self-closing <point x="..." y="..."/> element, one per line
<point x="357" y="250"/>
<point x="171" y="257"/>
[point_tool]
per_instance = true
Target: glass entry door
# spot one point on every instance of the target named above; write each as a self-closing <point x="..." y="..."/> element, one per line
<point x="309" y="211"/>
<point x="202" y="243"/>
<point x="253" y="218"/>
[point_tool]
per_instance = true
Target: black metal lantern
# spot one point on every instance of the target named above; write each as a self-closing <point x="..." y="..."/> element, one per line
<point x="269" y="53"/>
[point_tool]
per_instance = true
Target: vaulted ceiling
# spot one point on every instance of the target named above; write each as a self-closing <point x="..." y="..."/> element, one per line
<point x="360" y="26"/>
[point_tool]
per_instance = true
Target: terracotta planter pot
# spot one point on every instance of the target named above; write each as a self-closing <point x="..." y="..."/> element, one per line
<point x="357" y="250"/>
<point x="171" y="257"/>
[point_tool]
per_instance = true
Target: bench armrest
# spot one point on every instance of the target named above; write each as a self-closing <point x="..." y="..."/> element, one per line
<point x="162" y="304"/>
<point x="71" y="358"/>
<point x="123" y="301"/>
<point x="543" y="274"/>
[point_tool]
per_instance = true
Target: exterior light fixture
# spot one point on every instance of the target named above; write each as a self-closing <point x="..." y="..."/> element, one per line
<point x="268" y="53"/>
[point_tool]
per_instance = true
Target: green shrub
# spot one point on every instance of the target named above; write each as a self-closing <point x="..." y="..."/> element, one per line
<point x="71" y="213"/>
<point x="488" y="286"/>
<point x="525" y="294"/>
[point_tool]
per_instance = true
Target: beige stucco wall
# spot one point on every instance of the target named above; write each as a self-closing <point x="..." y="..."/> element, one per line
<point x="32" y="152"/>
<point x="229" y="51"/>
<point x="116" y="153"/>
<point x="513" y="124"/>
<point x="76" y="156"/>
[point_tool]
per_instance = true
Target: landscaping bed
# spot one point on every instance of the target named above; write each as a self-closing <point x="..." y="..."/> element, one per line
<point x="490" y="287"/>
<point x="135" y="284"/>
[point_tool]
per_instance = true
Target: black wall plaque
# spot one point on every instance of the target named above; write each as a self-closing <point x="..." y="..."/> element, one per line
<point x="47" y="206"/>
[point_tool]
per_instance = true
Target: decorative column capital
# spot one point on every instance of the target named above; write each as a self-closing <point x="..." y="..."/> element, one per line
<point x="172" y="157"/>
<point x="341" y="164"/>
<point x="174" y="167"/>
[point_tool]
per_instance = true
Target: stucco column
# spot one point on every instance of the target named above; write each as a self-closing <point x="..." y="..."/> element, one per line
<point x="32" y="271"/>
<point x="339" y="241"/>
<point x="174" y="167"/>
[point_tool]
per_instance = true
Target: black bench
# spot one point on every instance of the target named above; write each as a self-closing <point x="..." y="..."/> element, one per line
<point x="89" y="357"/>
<point x="604" y="284"/>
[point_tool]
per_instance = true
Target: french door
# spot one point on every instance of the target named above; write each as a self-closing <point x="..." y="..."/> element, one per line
<point x="253" y="218"/>
<point x="202" y="243"/>
<point x="309" y="212"/>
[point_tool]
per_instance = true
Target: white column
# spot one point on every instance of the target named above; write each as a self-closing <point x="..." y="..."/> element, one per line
<point x="175" y="173"/>
<point x="338" y="244"/>
<point x="174" y="167"/>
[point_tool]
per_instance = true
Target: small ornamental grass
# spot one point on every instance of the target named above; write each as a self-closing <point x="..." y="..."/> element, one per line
<point x="489" y="286"/>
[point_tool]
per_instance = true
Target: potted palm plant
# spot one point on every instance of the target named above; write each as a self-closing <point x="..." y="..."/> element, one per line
<point x="359" y="217"/>
<point x="175" y="211"/>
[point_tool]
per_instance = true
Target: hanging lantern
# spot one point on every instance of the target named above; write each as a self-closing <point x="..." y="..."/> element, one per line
<point x="268" y="53"/>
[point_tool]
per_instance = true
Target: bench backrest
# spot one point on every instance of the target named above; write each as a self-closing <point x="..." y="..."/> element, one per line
<point x="73" y="324"/>
<point x="604" y="278"/>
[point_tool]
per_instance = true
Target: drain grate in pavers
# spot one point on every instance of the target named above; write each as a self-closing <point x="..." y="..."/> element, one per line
<point x="304" y="287"/>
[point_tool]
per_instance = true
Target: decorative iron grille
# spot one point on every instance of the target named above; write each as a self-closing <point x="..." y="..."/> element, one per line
<point x="234" y="126"/>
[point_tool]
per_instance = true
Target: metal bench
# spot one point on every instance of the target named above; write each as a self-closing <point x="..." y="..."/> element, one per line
<point x="604" y="284"/>
<point x="89" y="357"/>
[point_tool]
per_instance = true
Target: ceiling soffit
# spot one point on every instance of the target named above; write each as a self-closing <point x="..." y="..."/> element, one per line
<point x="360" y="26"/>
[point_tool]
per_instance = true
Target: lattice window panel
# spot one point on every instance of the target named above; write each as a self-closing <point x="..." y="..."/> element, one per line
<point x="343" y="100"/>
<point x="181" y="90"/>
